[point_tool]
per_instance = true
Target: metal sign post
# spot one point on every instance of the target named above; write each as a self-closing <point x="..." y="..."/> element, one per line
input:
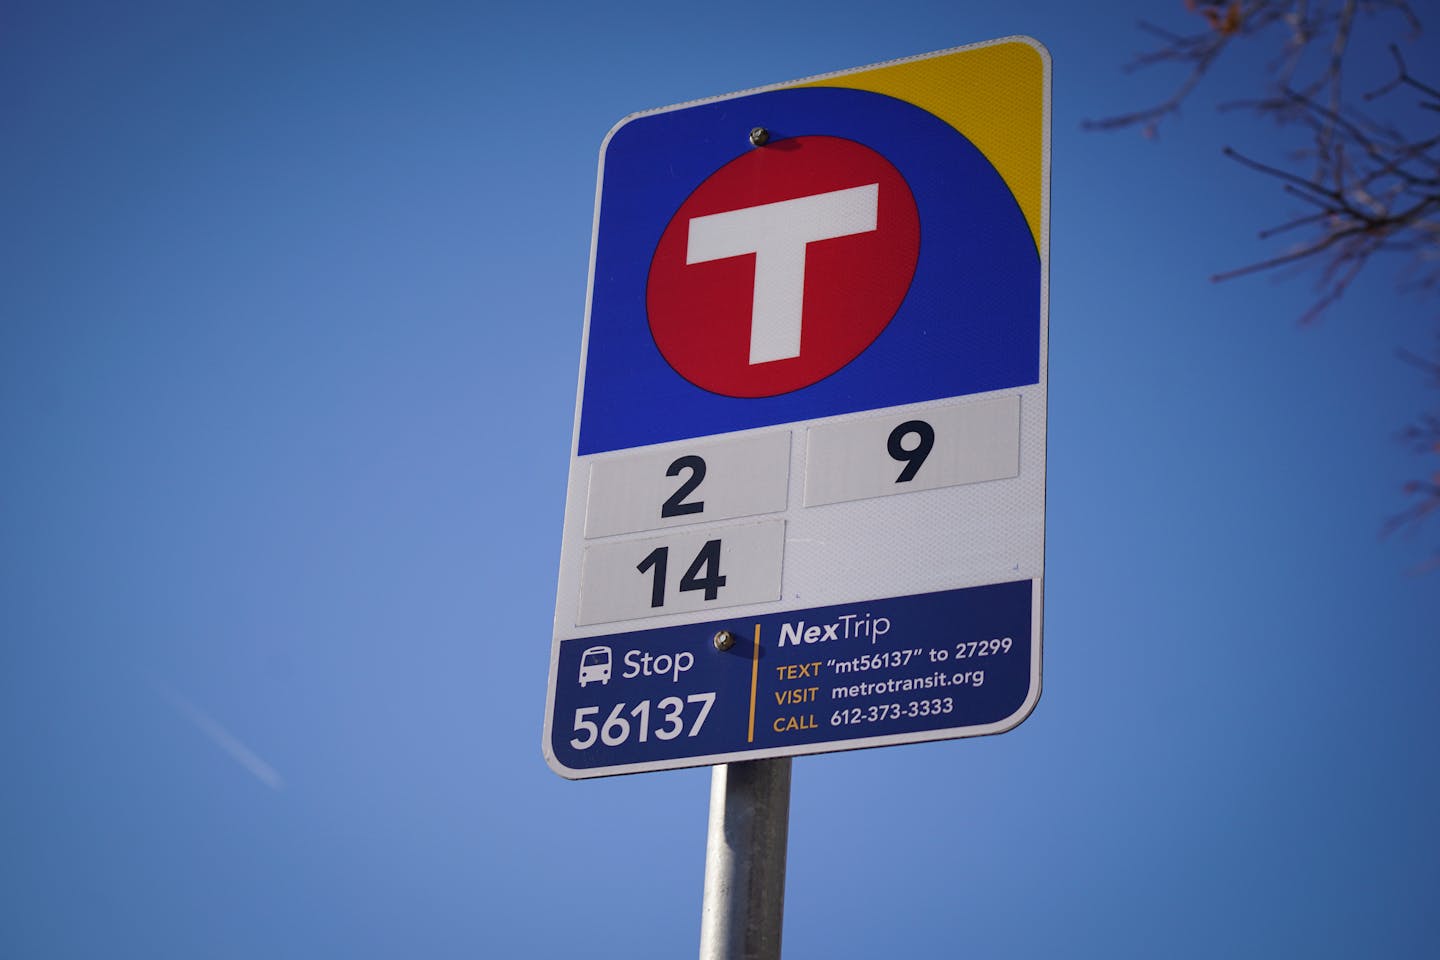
<point x="744" y="907"/>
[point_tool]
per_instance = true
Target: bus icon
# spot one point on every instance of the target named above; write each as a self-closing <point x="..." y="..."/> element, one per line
<point x="595" y="665"/>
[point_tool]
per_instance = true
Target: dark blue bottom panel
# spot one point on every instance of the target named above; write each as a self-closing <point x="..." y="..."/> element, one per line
<point x="820" y="678"/>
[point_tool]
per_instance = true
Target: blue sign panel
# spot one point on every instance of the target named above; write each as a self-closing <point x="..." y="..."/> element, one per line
<point x="846" y="675"/>
<point x="969" y="323"/>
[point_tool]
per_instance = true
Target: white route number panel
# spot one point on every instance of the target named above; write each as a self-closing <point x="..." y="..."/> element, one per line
<point x="627" y="578"/>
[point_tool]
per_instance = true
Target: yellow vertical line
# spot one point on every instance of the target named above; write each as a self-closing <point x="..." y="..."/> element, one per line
<point x="754" y="679"/>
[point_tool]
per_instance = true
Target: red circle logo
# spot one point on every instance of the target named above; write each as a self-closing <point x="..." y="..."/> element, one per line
<point x="782" y="266"/>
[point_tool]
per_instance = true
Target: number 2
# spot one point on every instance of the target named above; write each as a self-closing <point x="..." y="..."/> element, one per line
<point x="676" y="505"/>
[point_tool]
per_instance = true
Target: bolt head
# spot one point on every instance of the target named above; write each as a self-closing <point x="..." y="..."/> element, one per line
<point x="724" y="640"/>
<point x="759" y="136"/>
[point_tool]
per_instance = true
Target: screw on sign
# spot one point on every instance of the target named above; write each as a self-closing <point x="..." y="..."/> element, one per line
<point x="813" y="399"/>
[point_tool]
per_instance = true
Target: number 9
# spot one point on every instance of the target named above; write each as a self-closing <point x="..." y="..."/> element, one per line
<point x="912" y="458"/>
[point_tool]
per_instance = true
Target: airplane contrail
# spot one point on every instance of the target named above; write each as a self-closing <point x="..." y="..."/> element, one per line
<point x="226" y="741"/>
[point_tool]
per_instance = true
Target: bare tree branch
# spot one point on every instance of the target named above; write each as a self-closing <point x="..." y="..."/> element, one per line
<point x="1368" y="176"/>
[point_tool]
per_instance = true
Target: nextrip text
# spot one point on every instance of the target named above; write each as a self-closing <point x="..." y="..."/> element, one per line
<point x="845" y="627"/>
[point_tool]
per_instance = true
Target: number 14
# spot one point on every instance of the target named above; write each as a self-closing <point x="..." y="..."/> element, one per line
<point x="703" y="574"/>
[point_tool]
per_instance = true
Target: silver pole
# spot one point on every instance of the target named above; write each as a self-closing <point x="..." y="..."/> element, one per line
<point x="744" y="905"/>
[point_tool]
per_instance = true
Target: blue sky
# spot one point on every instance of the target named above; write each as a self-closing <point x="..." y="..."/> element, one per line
<point x="289" y="333"/>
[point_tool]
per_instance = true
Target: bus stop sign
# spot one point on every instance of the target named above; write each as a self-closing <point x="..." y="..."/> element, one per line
<point x="806" y="501"/>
